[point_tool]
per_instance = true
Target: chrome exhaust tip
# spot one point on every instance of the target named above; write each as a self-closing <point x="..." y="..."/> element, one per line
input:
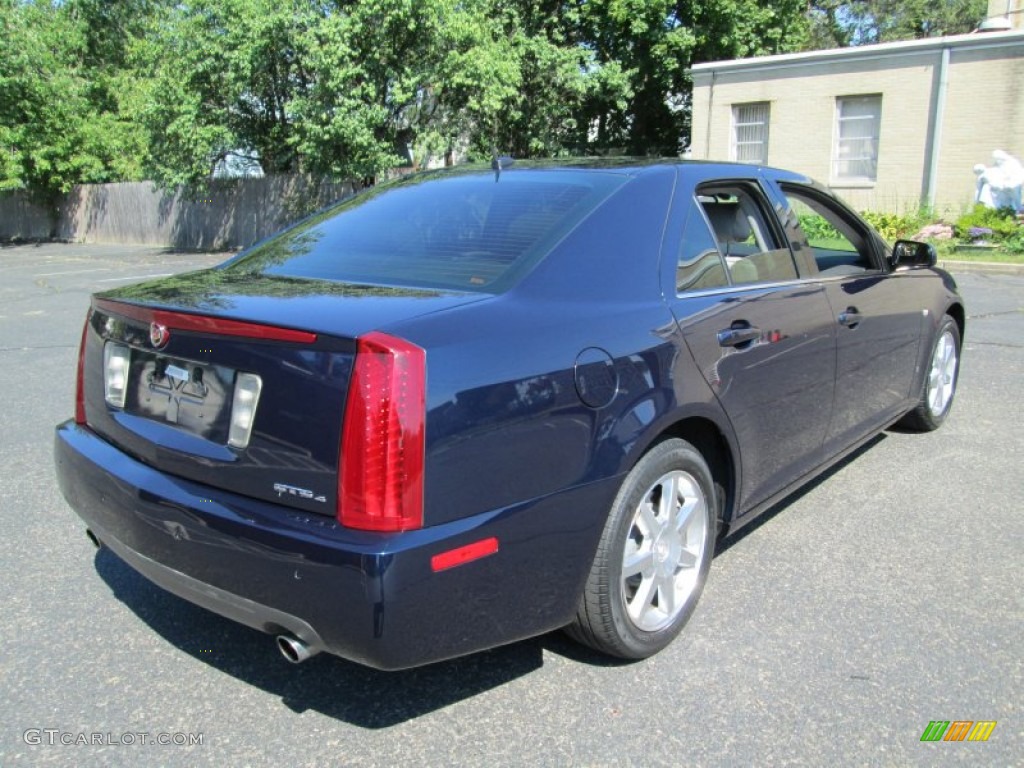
<point x="293" y="649"/>
<point x="92" y="537"/>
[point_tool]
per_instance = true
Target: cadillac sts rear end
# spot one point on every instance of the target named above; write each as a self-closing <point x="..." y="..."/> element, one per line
<point x="297" y="439"/>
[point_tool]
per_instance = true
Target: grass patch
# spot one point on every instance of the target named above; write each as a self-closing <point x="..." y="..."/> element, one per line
<point x="947" y="252"/>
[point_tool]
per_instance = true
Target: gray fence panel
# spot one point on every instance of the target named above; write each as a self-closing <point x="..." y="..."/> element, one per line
<point x="21" y="218"/>
<point x="232" y="214"/>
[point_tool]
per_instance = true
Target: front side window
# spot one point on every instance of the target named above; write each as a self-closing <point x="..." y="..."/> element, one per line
<point x="838" y="244"/>
<point x="750" y="132"/>
<point x="858" y="126"/>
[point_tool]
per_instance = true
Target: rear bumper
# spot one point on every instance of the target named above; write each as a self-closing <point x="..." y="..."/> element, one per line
<point x="372" y="598"/>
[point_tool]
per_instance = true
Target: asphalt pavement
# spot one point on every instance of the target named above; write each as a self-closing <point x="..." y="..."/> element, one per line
<point x="885" y="596"/>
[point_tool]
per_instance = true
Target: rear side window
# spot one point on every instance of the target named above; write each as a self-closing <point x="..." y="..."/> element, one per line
<point x="469" y="232"/>
<point x="700" y="265"/>
<point x="744" y="235"/>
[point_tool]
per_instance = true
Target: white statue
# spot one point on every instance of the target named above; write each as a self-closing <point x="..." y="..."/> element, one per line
<point x="1001" y="184"/>
<point x="1013" y="179"/>
<point x="983" y="186"/>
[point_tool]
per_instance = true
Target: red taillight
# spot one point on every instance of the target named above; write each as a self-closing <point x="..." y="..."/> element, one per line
<point x="80" y="376"/>
<point x="380" y="481"/>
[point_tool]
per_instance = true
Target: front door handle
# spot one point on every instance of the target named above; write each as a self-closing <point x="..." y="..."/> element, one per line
<point x="738" y="335"/>
<point x="850" y="318"/>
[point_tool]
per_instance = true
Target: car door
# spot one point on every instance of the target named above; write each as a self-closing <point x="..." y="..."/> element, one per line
<point x="762" y="338"/>
<point x="878" y="326"/>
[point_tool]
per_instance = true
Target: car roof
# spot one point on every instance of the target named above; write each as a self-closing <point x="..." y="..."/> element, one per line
<point x="626" y="165"/>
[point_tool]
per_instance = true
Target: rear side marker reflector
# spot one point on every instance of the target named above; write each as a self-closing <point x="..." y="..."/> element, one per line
<point x="463" y="555"/>
<point x="215" y="326"/>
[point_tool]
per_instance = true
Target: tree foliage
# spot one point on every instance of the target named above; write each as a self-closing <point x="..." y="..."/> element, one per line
<point x="654" y="42"/>
<point x="60" y="116"/>
<point x="102" y="90"/>
<point x="842" y="23"/>
<point x="218" y="79"/>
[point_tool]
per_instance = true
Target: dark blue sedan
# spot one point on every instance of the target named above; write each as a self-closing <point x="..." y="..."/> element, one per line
<point x="474" y="406"/>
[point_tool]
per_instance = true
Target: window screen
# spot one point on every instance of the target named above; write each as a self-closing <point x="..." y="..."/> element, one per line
<point x="858" y="124"/>
<point x="750" y="132"/>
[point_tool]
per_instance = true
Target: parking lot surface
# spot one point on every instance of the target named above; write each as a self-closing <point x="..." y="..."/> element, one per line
<point x="885" y="596"/>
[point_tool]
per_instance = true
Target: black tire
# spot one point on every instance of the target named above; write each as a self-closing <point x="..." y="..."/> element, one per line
<point x="940" y="380"/>
<point x="636" y="616"/>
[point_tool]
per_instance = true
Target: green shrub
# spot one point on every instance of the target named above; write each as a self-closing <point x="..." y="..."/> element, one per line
<point x="1002" y="222"/>
<point x="817" y="229"/>
<point x="1015" y="242"/>
<point x="896" y="226"/>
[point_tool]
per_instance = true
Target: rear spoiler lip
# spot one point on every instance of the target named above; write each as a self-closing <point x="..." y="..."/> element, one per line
<point x="215" y="326"/>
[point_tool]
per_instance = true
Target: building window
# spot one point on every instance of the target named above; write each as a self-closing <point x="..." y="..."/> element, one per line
<point x="750" y="132"/>
<point x="858" y="121"/>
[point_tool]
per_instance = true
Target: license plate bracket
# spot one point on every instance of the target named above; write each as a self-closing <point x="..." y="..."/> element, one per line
<point x="192" y="395"/>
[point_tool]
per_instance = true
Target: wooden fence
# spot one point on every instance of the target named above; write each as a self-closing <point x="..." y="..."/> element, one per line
<point x="232" y="214"/>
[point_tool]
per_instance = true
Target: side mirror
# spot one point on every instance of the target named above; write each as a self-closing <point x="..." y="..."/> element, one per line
<point x="910" y="253"/>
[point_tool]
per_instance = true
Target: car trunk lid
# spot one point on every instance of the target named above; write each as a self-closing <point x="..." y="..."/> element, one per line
<point x="170" y="366"/>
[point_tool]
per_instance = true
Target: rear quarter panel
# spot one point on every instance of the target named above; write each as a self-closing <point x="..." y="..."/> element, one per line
<point x="505" y="422"/>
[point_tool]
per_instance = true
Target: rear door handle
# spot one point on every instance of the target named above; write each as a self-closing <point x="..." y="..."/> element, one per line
<point x="850" y="318"/>
<point x="738" y="335"/>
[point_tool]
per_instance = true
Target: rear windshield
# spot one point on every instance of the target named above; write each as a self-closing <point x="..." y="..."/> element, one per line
<point x="469" y="232"/>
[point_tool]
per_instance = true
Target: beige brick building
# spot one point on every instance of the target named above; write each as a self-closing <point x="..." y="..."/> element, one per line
<point x="887" y="126"/>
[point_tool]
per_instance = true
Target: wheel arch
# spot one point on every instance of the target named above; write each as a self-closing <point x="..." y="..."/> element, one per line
<point x="956" y="311"/>
<point x="712" y="443"/>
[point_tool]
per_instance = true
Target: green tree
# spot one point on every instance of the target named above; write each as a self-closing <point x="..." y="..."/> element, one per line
<point x="655" y="42"/>
<point x="411" y="80"/>
<point x="537" y="105"/>
<point x="389" y="75"/>
<point x="218" y="78"/>
<point x="60" y="121"/>
<point x="836" y="24"/>
<point x="346" y="88"/>
<point x="97" y="90"/>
